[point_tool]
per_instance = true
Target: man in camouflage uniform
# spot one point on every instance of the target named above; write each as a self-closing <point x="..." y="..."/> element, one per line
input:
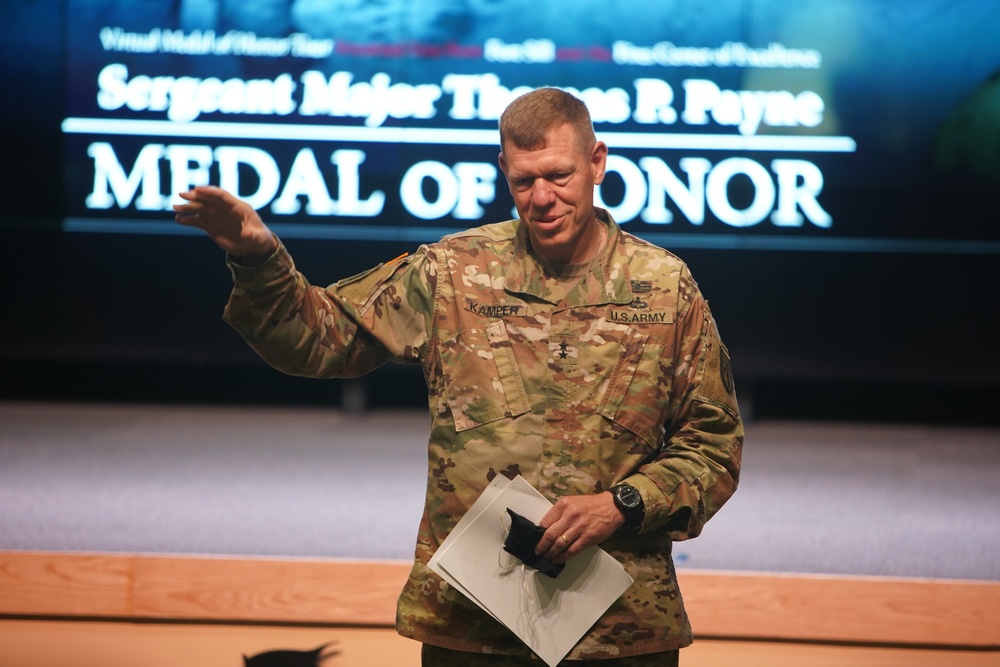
<point x="555" y="346"/>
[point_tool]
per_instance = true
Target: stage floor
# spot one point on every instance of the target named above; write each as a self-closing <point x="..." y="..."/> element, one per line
<point x="816" y="497"/>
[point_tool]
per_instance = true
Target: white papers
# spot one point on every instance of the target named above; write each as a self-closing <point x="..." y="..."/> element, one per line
<point x="548" y="615"/>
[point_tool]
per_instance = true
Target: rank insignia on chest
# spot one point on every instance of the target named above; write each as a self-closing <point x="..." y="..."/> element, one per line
<point x="563" y="352"/>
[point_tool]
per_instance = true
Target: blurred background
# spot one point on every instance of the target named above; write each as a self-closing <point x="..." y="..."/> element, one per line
<point x="828" y="169"/>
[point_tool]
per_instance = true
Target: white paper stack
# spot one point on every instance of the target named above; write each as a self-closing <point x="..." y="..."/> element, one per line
<point x="548" y="615"/>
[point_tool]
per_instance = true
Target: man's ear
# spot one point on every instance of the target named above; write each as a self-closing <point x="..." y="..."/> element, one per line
<point x="599" y="161"/>
<point x="503" y="167"/>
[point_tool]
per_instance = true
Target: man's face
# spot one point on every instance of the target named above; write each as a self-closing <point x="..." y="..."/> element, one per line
<point x="553" y="190"/>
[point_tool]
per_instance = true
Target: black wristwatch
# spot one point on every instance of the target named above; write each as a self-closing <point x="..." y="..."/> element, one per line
<point x="629" y="503"/>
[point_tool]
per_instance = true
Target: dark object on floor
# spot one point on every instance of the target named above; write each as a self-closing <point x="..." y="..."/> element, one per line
<point x="289" y="658"/>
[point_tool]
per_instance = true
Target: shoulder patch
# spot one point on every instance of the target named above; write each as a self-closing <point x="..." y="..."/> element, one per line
<point x="726" y="370"/>
<point x="359" y="288"/>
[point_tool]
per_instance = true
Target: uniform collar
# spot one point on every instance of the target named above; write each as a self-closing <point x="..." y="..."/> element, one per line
<point x="608" y="283"/>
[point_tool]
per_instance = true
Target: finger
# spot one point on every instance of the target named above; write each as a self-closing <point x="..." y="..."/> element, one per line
<point x="554" y="527"/>
<point x="565" y="541"/>
<point x="567" y="552"/>
<point x="567" y="545"/>
<point x="192" y="201"/>
<point x="199" y="193"/>
<point x="561" y="542"/>
<point x="205" y="194"/>
<point x="557" y="538"/>
<point x="549" y="522"/>
<point x="206" y="200"/>
<point x="187" y="209"/>
<point x="188" y="213"/>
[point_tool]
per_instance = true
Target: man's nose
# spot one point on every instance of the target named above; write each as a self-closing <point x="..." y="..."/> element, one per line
<point x="541" y="193"/>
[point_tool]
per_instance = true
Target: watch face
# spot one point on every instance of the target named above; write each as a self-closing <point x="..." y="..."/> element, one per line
<point x="628" y="495"/>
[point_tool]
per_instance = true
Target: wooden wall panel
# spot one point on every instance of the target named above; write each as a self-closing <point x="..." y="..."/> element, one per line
<point x="296" y="591"/>
<point x="70" y="585"/>
<point x="843" y="609"/>
<point x="788" y="607"/>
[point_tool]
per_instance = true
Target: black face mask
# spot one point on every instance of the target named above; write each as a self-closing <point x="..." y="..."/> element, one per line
<point x="521" y="541"/>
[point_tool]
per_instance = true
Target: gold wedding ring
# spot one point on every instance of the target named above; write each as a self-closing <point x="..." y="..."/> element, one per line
<point x="563" y="537"/>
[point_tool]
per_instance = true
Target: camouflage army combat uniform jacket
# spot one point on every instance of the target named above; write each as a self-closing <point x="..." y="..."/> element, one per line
<point x="623" y="377"/>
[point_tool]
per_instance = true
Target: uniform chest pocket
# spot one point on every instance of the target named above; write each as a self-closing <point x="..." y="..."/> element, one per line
<point x="639" y="387"/>
<point x="481" y="379"/>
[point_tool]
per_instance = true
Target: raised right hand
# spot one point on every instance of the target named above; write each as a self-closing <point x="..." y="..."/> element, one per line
<point x="231" y="223"/>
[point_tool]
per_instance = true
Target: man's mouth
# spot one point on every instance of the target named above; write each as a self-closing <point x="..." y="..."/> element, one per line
<point x="546" y="221"/>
